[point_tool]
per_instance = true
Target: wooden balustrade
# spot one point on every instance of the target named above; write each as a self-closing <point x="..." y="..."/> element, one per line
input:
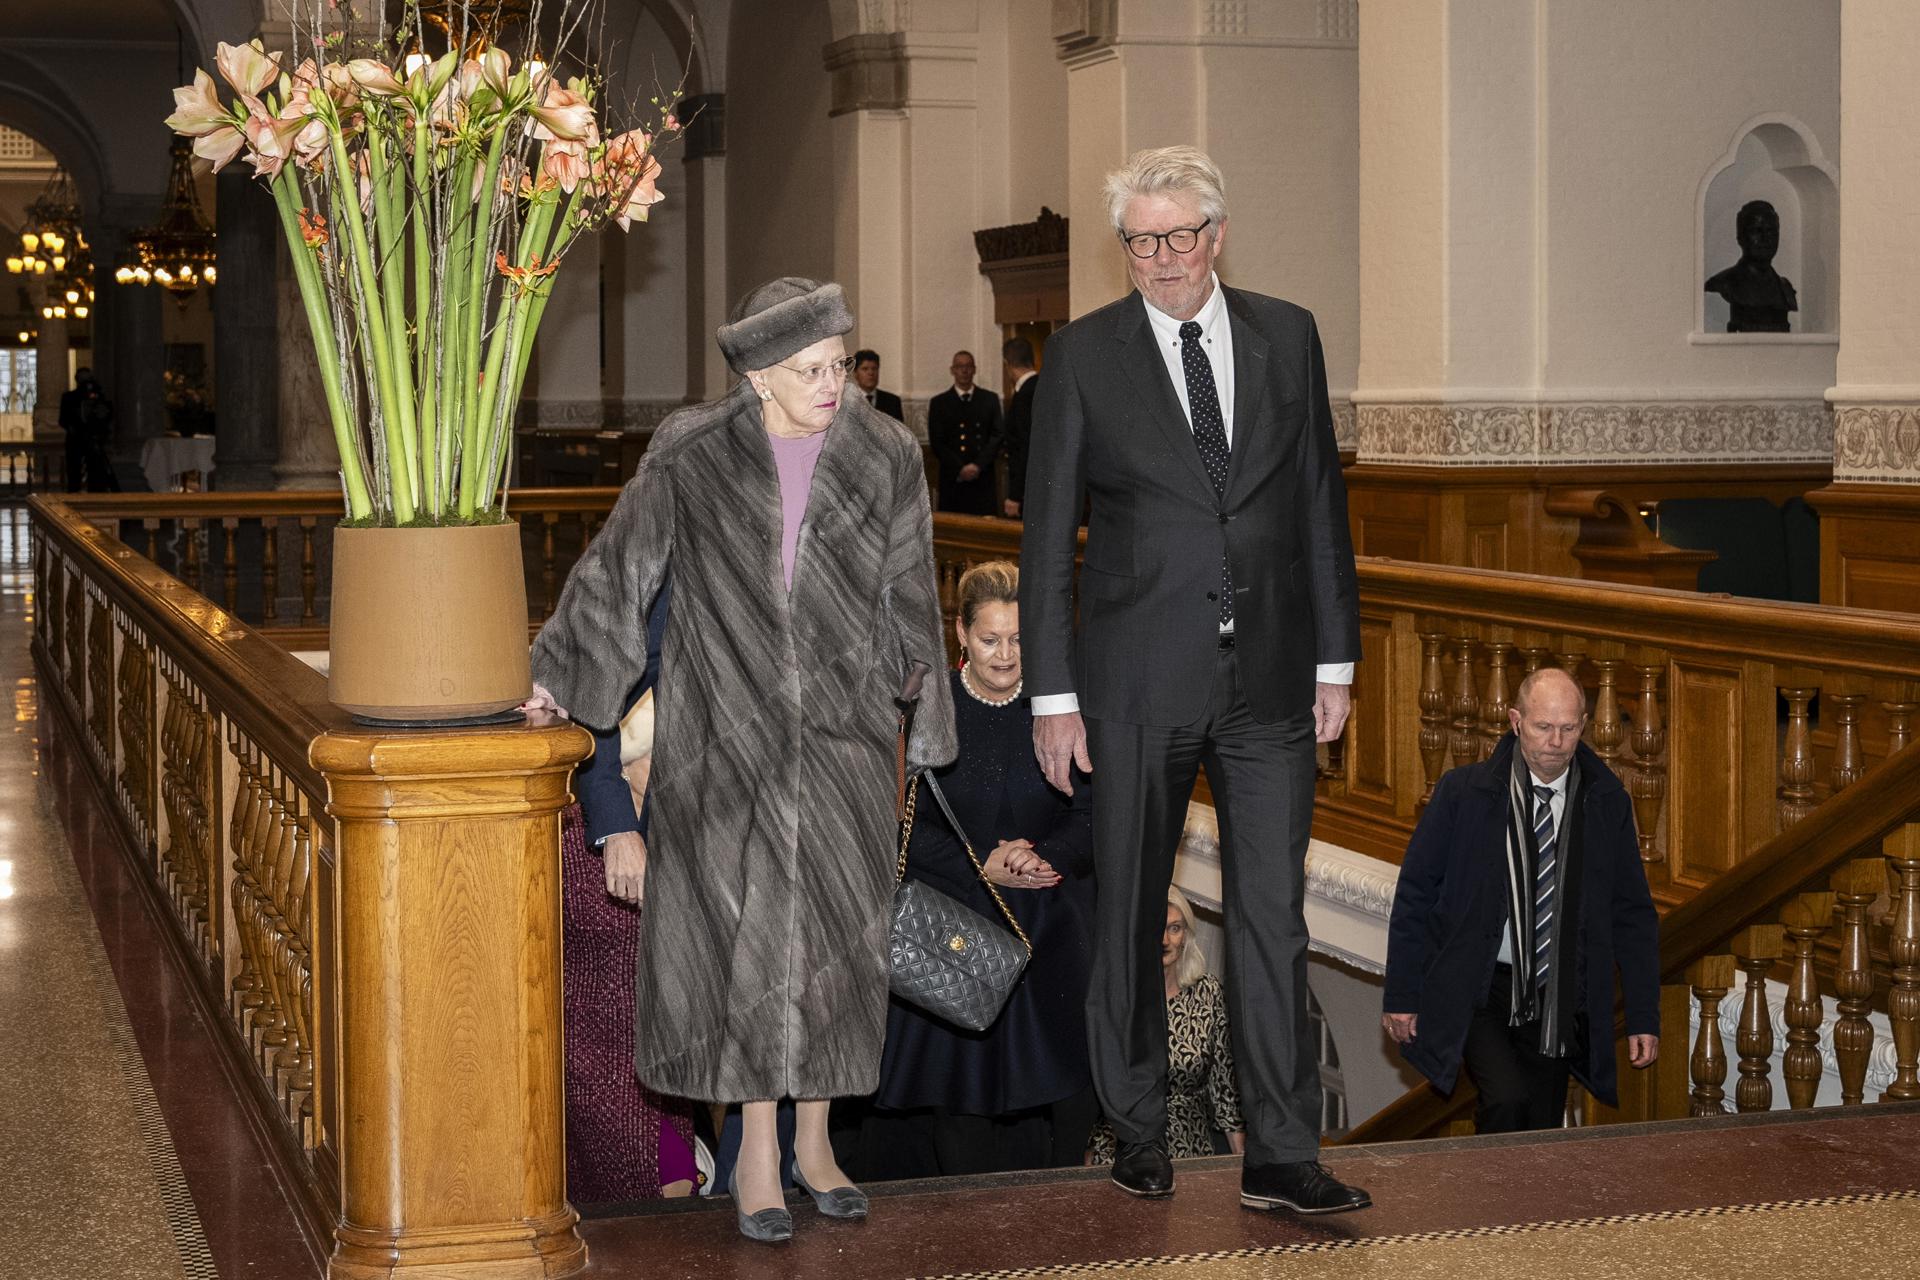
<point x="1756" y="951"/>
<point x="32" y="466"/>
<point x="1711" y="979"/>
<point x="328" y="886"/>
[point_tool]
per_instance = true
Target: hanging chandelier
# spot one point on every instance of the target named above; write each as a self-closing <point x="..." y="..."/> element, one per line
<point x="50" y="237"/>
<point x="177" y="252"/>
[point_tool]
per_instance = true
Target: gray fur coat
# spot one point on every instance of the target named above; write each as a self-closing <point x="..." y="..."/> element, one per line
<point x="763" y="966"/>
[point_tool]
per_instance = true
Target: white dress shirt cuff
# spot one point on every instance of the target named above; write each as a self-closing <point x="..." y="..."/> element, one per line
<point x="1055" y="704"/>
<point x="1328" y="673"/>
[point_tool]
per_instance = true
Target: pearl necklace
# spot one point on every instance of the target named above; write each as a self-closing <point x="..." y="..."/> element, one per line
<point x="967" y="684"/>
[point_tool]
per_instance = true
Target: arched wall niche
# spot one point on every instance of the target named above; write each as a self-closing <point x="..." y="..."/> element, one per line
<point x="1774" y="158"/>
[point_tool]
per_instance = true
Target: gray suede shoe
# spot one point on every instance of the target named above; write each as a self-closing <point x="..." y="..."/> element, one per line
<point x="769" y="1226"/>
<point x="841" y="1202"/>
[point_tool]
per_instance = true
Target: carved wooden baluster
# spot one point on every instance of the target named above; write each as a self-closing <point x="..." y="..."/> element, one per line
<point x="152" y="525"/>
<point x="1570" y="661"/>
<point x="1493" y="707"/>
<point x="1796" y="758"/>
<point x="1433" y="711"/>
<point x="1466" y="707"/>
<point x="1848" y="762"/>
<point x="230" y="562"/>
<point x="1756" y="948"/>
<point x="1535" y="656"/>
<point x="190" y="533"/>
<point x="1903" y="949"/>
<point x="308" y="582"/>
<point x="549" y="580"/>
<point x="1607" y="731"/>
<point x="1855" y="886"/>
<point x="1710" y="977"/>
<point x="1649" y="781"/>
<point x="246" y="984"/>
<point x="1805" y="919"/>
<point x="270" y="566"/>
<point x="1899" y="725"/>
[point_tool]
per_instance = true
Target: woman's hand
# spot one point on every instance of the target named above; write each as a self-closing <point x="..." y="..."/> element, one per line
<point x="1237" y="1143"/>
<point x="542" y="700"/>
<point x="1014" y="865"/>
<point x="626" y="858"/>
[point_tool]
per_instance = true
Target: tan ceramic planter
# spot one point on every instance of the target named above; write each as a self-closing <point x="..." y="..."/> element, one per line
<point x="428" y="624"/>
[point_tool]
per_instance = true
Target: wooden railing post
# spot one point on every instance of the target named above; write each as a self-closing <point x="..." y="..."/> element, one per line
<point x="1756" y="948"/>
<point x="453" y="1111"/>
<point x="1466" y="705"/>
<point x="1493" y="707"/>
<point x="1711" y="977"/>
<point x="1848" y="760"/>
<point x="1649" y="782"/>
<point x="1796" y="757"/>
<point x="1607" y="731"/>
<point x="1805" y="918"/>
<point x="1433" y="711"/>
<point x="1903" y="948"/>
<point x="1855" y="886"/>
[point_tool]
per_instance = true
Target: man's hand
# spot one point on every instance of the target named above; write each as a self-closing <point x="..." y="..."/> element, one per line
<point x="1642" y="1050"/>
<point x="970" y="472"/>
<point x="1060" y="743"/>
<point x="1398" y="1025"/>
<point x="1012" y="509"/>
<point x="626" y="857"/>
<point x="1331" y="703"/>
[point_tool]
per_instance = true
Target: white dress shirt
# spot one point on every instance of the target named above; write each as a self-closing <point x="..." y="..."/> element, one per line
<point x="1558" y="808"/>
<point x="1216" y="339"/>
<point x="1021" y="381"/>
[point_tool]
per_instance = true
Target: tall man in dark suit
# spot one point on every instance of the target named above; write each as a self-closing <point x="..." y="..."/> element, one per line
<point x="1017" y="355"/>
<point x="1521" y="892"/>
<point x="963" y="426"/>
<point x="866" y="378"/>
<point x="1218" y="625"/>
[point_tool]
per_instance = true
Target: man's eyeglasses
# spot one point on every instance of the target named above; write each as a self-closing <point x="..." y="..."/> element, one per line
<point x="814" y="372"/>
<point x="1180" y="240"/>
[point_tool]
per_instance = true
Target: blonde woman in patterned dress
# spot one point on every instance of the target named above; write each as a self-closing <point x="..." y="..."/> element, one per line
<point x="1203" y="1103"/>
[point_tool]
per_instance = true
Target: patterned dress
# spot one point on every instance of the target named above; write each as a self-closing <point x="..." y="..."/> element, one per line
<point x="1202" y="1098"/>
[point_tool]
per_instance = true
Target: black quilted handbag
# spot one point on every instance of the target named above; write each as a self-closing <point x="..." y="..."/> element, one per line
<point x="947" y="958"/>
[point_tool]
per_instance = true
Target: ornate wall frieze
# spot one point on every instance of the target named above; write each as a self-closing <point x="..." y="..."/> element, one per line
<point x="1346" y="431"/>
<point x="1596" y="432"/>
<point x="1876" y="443"/>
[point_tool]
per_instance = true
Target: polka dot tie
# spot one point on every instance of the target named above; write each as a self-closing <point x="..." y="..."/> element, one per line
<point x="1210" y="435"/>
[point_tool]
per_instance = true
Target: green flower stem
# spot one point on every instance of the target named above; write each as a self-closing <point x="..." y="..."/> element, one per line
<point x="479" y="285"/>
<point x="389" y="207"/>
<point x="475" y="491"/>
<point x="464" y="212"/>
<point x="346" y="437"/>
<point x="422" y="203"/>
<point x="374" y="343"/>
<point x="563" y="236"/>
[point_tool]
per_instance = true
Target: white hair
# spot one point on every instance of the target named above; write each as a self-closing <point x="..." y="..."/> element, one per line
<point x="1181" y="171"/>
<point x="1192" y="964"/>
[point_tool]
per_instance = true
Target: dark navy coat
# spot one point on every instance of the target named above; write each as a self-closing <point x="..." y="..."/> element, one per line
<point x="606" y="801"/>
<point x="1450" y="911"/>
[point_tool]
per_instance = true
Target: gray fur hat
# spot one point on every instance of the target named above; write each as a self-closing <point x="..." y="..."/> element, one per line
<point x="781" y="317"/>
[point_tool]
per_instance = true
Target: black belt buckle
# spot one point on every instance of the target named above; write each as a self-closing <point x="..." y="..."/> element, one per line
<point x="1226" y="642"/>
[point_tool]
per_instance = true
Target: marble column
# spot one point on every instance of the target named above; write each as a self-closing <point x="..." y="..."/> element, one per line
<point x="129" y="349"/>
<point x="1870" y="517"/>
<point x="704" y="172"/>
<point x="245" y="335"/>
<point x="50" y="375"/>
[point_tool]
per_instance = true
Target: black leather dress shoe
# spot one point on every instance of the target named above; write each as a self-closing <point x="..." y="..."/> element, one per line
<point x="1303" y="1187"/>
<point x="1142" y="1169"/>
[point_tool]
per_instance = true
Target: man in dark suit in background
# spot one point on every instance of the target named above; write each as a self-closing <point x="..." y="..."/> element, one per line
<point x="1506" y="934"/>
<point x="1218" y="625"/>
<point x="1017" y="355"/>
<point x="963" y="427"/>
<point x="866" y="377"/>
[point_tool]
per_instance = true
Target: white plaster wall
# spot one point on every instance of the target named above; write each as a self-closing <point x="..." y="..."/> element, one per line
<point x="646" y="270"/>
<point x="1642" y="96"/>
<point x="1880" y="254"/>
<point x="1035" y="146"/>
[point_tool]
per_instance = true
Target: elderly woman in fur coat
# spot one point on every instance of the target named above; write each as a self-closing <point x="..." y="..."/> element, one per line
<point x="795" y="522"/>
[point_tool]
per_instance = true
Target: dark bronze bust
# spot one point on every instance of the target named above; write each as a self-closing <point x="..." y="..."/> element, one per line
<point x="1758" y="297"/>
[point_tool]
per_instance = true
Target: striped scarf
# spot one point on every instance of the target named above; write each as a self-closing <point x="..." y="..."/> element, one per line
<point x="1545" y="1001"/>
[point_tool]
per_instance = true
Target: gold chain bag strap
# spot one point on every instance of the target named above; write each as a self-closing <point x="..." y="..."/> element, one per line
<point x="944" y="956"/>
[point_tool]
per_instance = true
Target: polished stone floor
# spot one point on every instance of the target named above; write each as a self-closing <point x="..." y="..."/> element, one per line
<point x="114" y="1110"/>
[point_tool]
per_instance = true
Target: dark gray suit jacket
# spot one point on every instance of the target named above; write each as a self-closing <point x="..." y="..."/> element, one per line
<point x="1109" y="432"/>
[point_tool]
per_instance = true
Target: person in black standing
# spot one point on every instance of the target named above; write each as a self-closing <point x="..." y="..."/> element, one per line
<point x="1017" y="355"/>
<point x="86" y="415"/>
<point x="866" y="381"/>
<point x="1218" y="624"/>
<point x="963" y="426"/>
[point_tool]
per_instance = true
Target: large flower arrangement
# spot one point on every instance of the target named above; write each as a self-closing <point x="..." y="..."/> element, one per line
<point x="427" y="201"/>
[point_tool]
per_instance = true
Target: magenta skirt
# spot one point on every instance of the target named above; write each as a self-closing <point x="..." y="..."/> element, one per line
<point x="624" y="1142"/>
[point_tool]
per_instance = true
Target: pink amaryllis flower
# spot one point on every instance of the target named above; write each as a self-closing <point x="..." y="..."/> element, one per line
<point x="626" y="175"/>
<point x="566" y="114"/>
<point x="249" y="68"/>
<point x="566" y="163"/>
<point x="269" y="140"/>
<point x="496" y="67"/>
<point x="198" y="115"/>
<point x="375" y="77"/>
